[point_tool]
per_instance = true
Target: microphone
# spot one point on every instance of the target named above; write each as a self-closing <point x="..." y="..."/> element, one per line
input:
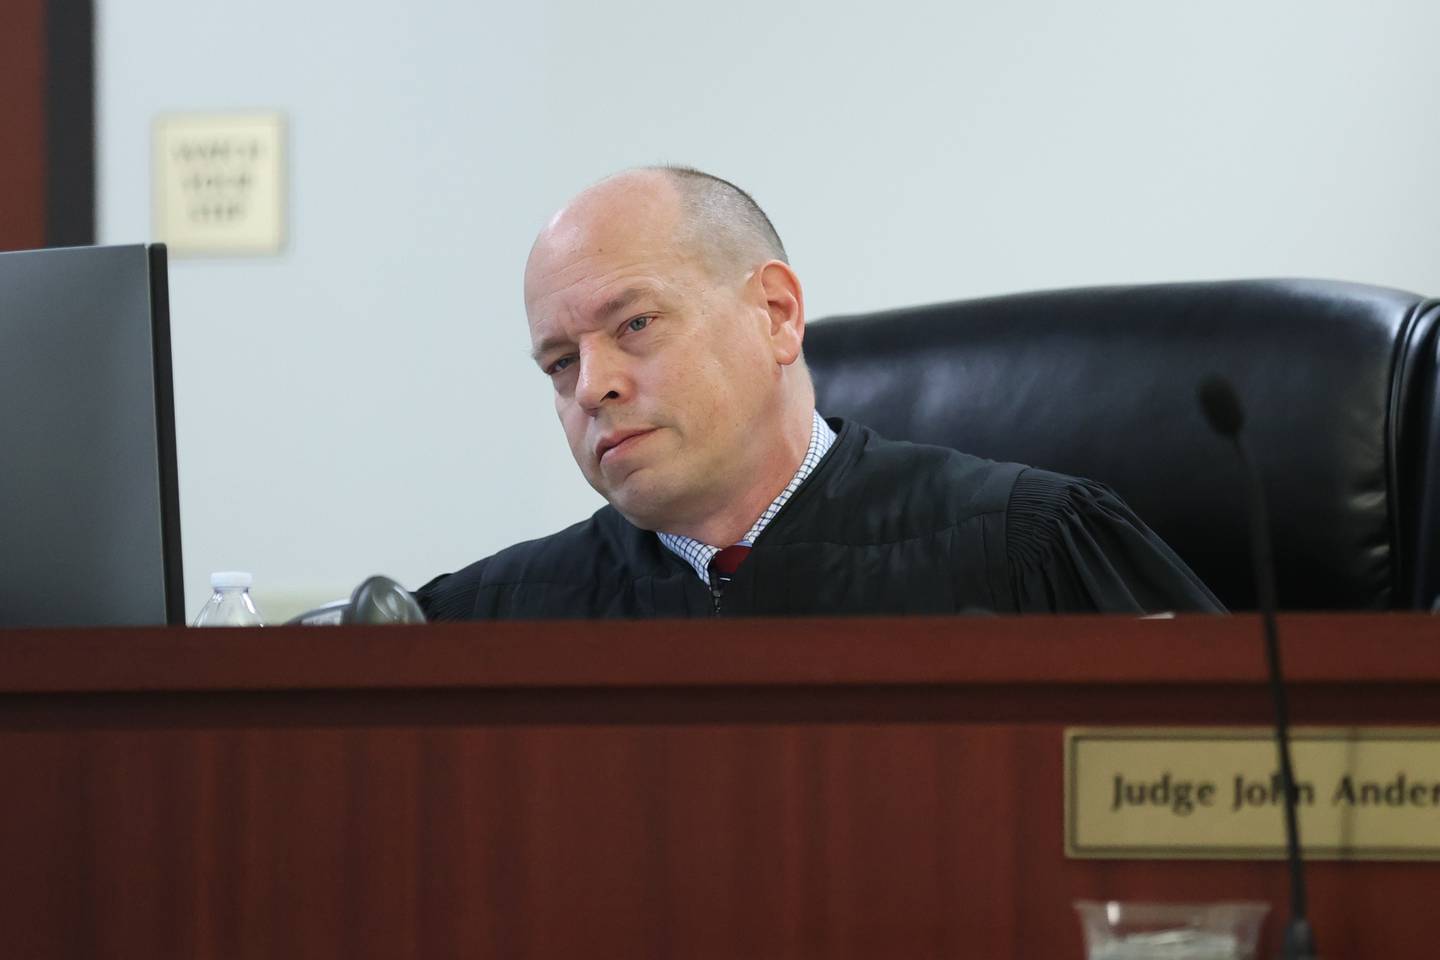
<point x="377" y="600"/>
<point x="1227" y="418"/>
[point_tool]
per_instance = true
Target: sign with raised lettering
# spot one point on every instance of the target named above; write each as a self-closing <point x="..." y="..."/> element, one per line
<point x="1214" y="793"/>
<point x="219" y="183"/>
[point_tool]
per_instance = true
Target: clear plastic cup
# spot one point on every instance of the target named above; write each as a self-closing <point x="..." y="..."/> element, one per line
<point x="1136" y="930"/>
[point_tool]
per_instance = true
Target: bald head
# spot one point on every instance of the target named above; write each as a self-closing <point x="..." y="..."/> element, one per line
<point x="723" y="222"/>
<point x="701" y="215"/>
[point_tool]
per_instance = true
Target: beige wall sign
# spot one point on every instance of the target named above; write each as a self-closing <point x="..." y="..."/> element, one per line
<point x="219" y="185"/>
<point x="1214" y="793"/>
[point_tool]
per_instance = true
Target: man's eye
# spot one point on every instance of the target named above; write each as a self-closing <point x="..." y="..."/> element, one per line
<point x="559" y="365"/>
<point x="638" y="324"/>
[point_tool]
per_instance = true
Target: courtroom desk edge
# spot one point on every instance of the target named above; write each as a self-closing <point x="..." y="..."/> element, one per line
<point x="1386" y="648"/>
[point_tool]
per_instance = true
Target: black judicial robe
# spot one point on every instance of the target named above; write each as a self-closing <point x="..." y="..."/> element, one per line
<point x="879" y="527"/>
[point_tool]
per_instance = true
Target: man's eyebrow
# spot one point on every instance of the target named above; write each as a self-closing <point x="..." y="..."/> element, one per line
<point x="546" y="345"/>
<point x="622" y="300"/>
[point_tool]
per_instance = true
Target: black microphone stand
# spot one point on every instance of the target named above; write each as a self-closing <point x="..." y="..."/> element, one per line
<point x="1223" y="410"/>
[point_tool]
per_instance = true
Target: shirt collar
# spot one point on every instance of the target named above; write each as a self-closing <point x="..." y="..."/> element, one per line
<point x="699" y="555"/>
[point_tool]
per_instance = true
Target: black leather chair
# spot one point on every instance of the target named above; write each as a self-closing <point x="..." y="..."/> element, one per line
<point x="1339" y="383"/>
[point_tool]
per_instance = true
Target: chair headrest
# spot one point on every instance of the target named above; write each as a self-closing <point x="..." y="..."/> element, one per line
<point x="1335" y="379"/>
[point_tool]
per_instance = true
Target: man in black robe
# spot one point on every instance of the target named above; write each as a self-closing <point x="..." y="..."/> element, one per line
<point x="663" y="309"/>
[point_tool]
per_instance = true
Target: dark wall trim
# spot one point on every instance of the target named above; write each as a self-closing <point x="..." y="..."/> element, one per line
<point x="70" y="123"/>
<point x="22" y="124"/>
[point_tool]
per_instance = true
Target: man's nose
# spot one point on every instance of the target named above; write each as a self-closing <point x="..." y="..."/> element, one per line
<point x="602" y="378"/>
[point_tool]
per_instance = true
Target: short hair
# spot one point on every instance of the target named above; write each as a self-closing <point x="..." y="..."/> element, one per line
<point x="724" y="220"/>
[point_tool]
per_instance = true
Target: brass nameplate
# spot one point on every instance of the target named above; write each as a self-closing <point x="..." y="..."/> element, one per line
<point x="1214" y="793"/>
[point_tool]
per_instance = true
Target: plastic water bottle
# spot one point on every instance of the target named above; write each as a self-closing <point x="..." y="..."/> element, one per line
<point x="230" y="605"/>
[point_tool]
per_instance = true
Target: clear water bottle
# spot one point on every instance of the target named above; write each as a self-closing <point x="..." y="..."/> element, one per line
<point x="230" y="605"/>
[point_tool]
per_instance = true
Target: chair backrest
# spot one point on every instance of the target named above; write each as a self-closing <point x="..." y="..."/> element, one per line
<point x="1338" y="380"/>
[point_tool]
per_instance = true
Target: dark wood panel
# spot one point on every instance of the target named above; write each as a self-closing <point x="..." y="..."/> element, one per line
<point x="22" y="124"/>
<point x="835" y="841"/>
<point x="784" y="810"/>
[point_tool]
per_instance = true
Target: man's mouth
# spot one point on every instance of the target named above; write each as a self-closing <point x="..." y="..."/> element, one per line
<point x="618" y="442"/>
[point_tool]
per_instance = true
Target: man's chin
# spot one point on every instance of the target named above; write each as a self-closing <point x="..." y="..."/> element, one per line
<point x="642" y="500"/>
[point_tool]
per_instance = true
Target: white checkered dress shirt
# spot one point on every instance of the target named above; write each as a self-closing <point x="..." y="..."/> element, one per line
<point x="699" y="555"/>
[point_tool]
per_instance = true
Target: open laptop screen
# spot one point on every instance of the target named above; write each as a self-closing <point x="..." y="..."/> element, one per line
<point x="89" y="505"/>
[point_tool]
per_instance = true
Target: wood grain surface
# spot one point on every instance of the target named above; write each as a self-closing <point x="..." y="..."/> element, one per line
<point x="801" y="789"/>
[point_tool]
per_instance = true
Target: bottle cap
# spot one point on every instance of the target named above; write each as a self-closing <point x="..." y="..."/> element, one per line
<point x="230" y="579"/>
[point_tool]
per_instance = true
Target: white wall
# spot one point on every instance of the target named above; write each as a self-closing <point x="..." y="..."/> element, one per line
<point x="363" y="402"/>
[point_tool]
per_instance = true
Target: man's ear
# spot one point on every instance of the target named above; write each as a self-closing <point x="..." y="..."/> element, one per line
<point x="785" y="302"/>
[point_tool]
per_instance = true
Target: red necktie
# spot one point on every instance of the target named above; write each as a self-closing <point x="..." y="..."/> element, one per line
<point x="724" y="564"/>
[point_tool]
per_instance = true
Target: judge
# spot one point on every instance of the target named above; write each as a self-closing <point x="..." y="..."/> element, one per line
<point x="664" y="311"/>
